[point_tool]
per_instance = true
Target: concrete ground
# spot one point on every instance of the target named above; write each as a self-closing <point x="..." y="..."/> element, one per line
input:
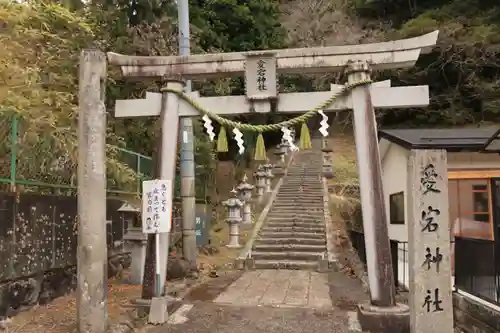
<point x="271" y="301"/>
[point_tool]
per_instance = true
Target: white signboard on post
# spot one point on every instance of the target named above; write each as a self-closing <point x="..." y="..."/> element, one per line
<point x="156" y="206"/>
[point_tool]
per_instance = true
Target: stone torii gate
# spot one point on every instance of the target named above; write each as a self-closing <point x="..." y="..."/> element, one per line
<point x="260" y="67"/>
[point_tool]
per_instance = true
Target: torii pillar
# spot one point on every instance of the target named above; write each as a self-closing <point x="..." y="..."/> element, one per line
<point x="382" y="314"/>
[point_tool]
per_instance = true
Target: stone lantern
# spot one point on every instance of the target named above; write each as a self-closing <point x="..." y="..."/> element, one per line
<point x="281" y="152"/>
<point x="269" y="176"/>
<point x="327" y="163"/>
<point x="234" y="206"/>
<point x="135" y="242"/>
<point x="245" y="194"/>
<point x="292" y="134"/>
<point x="284" y="147"/>
<point x="260" y="177"/>
<point x="279" y="168"/>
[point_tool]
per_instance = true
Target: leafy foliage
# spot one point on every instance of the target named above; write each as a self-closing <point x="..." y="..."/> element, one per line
<point x="463" y="71"/>
<point x="41" y="45"/>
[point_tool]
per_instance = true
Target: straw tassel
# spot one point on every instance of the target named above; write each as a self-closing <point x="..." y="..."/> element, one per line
<point x="222" y="146"/>
<point x="260" y="149"/>
<point x="305" y="137"/>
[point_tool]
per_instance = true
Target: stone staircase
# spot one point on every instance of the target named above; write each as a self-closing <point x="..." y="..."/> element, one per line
<point x="293" y="235"/>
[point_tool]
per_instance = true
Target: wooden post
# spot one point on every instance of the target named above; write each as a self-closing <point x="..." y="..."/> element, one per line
<point x="431" y="307"/>
<point x="92" y="260"/>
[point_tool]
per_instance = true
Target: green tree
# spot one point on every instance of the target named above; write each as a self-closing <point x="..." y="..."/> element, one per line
<point x="41" y="44"/>
<point x="462" y="71"/>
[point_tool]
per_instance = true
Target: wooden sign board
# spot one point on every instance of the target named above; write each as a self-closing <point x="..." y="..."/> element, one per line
<point x="260" y="77"/>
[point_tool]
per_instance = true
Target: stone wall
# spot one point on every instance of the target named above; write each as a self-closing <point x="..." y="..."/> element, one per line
<point x="38" y="243"/>
<point x="474" y="317"/>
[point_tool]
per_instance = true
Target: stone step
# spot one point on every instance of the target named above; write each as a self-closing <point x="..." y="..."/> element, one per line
<point x="298" y="199"/>
<point x="288" y="255"/>
<point x="299" y="205"/>
<point x="300" y="215"/>
<point x="284" y="218"/>
<point x="290" y="178"/>
<point x="280" y="224"/>
<point x="293" y="234"/>
<point x="292" y="240"/>
<point x="300" y="176"/>
<point x="288" y="264"/>
<point x="298" y="210"/>
<point x="306" y="189"/>
<point x="297" y="190"/>
<point x="290" y="247"/>
<point x="303" y="197"/>
<point x="308" y="183"/>
<point x="292" y="228"/>
<point x="306" y="195"/>
<point x="307" y="165"/>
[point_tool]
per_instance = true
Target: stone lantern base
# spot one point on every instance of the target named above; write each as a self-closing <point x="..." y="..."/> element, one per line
<point x="135" y="243"/>
<point x="234" y="234"/>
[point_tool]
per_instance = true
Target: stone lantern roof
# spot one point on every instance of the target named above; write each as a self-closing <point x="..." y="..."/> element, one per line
<point x="234" y="201"/>
<point x="244" y="185"/>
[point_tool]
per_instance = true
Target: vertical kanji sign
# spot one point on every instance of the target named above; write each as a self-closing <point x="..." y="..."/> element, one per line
<point x="431" y="305"/>
<point x="156" y="206"/>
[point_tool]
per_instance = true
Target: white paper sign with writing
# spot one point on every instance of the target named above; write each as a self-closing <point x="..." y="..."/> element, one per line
<point x="156" y="206"/>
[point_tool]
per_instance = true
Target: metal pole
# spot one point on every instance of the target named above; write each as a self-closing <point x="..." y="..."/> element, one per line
<point x="187" y="163"/>
<point x="378" y="251"/>
<point x="13" y="151"/>
<point x="92" y="260"/>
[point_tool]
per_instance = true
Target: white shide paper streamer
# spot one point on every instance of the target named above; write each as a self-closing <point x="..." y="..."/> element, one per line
<point x="324" y="123"/>
<point x="208" y="126"/>
<point x="288" y="138"/>
<point x="238" y="137"/>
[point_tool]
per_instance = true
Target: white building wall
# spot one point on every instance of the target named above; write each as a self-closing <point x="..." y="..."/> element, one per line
<point x="394" y="173"/>
<point x="457" y="161"/>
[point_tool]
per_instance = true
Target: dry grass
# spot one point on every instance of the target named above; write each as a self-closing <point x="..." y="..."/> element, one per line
<point x="59" y="316"/>
<point x="344" y="159"/>
<point x="344" y="206"/>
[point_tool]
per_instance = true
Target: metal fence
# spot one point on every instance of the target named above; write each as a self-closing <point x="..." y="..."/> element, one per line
<point x="399" y="256"/>
<point x="39" y="166"/>
<point x="477" y="268"/>
<point x="476" y="264"/>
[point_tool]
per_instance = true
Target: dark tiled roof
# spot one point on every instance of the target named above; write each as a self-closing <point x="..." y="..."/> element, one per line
<point x="493" y="143"/>
<point x="458" y="139"/>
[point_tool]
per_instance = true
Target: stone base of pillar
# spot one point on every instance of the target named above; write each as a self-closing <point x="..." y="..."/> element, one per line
<point x="247" y="214"/>
<point x="260" y="193"/>
<point x="234" y="236"/>
<point x="328" y="172"/>
<point x="377" y="319"/>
